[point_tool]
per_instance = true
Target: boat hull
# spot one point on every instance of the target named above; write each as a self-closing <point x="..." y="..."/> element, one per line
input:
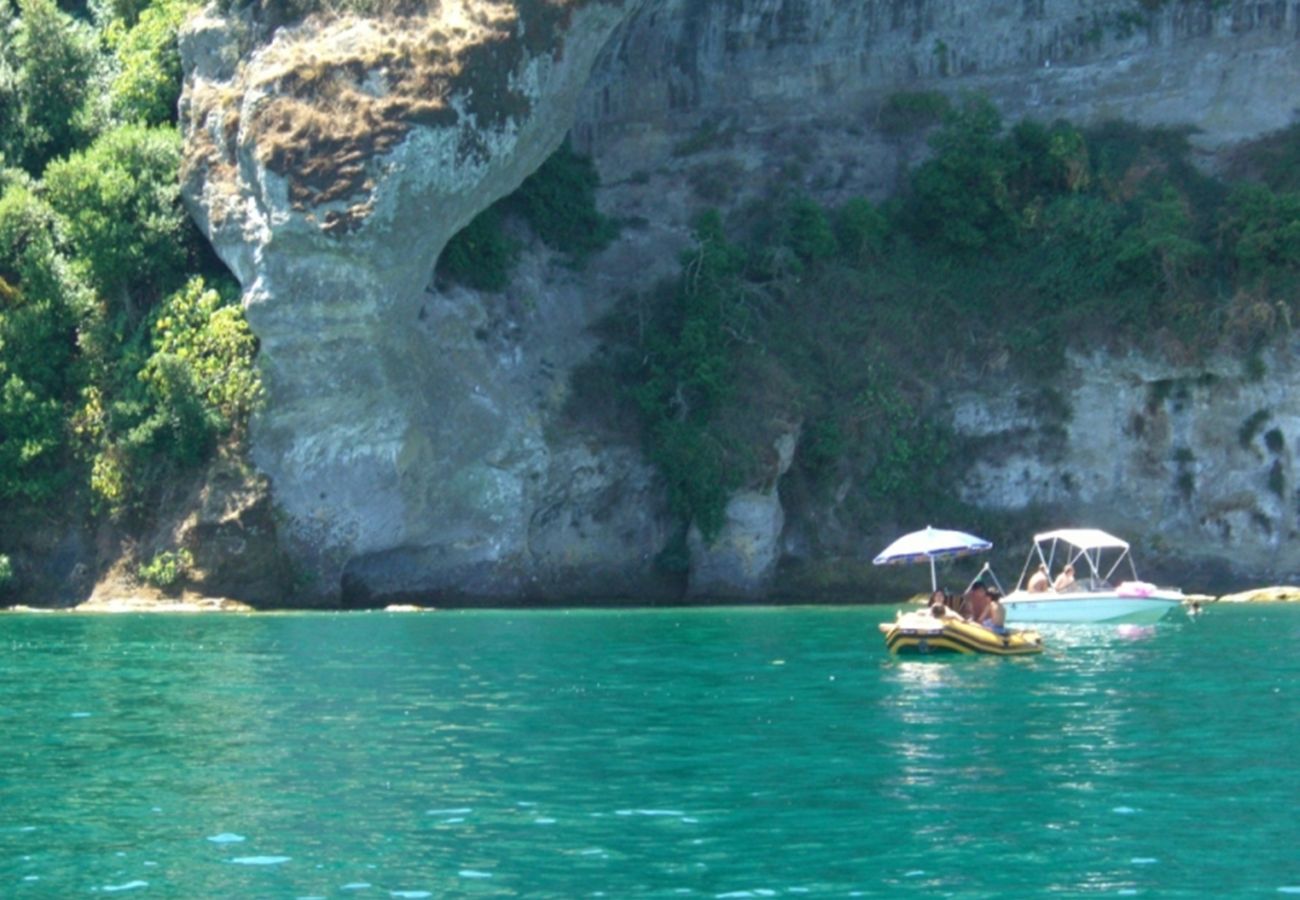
<point x="1093" y="607"/>
<point x="921" y="634"/>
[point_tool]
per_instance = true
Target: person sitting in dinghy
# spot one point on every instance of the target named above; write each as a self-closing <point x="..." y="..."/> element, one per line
<point x="983" y="607"/>
<point x="939" y="606"/>
<point x="976" y="603"/>
<point x="995" y="616"/>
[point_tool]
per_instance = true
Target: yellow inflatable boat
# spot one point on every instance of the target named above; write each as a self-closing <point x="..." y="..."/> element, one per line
<point x="922" y="633"/>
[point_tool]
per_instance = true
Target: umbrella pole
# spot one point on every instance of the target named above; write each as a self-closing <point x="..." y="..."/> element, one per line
<point x="934" y="582"/>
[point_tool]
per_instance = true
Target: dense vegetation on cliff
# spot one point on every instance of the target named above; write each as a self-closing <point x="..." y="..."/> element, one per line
<point x="123" y="356"/>
<point x="1010" y="245"/>
<point x="125" y="361"/>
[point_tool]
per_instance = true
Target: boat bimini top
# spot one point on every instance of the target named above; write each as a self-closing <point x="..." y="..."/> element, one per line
<point x="1068" y="546"/>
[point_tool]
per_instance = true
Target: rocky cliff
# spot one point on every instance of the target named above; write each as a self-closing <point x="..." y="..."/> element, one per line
<point x="414" y="437"/>
<point x="1195" y="462"/>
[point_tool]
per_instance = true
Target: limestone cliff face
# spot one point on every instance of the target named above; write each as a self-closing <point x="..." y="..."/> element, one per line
<point x="413" y="437"/>
<point x="1196" y="464"/>
<point x="403" y="435"/>
<point x="1228" y="69"/>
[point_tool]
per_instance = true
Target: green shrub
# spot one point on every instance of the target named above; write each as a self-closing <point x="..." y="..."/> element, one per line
<point x="166" y="569"/>
<point x="822" y="446"/>
<point x="179" y="424"/>
<point x="1123" y="153"/>
<point x="32" y="442"/>
<point x="1161" y="248"/>
<point x="708" y="136"/>
<point x="1074" y="257"/>
<point x="810" y="233"/>
<point x="559" y="202"/>
<point x="1011" y="247"/>
<point x="206" y="335"/>
<point x="147" y="86"/>
<point x="861" y="230"/>
<point x="481" y="255"/>
<point x="1274" y="161"/>
<point x="684" y="376"/>
<point x="186" y="382"/>
<point x="1261" y="231"/>
<point x="1046" y="161"/>
<point x="906" y="112"/>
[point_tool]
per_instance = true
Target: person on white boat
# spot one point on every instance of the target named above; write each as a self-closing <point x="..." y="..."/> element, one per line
<point x="1065" y="580"/>
<point x="995" y="616"/>
<point x="1038" y="582"/>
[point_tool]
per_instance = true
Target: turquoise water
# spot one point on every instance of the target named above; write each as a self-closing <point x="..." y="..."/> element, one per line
<point x="715" y="753"/>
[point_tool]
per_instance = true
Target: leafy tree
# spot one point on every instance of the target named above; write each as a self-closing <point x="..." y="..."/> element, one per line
<point x="1261" y="230"/>
<point x="11" y="108"/>
<point x="178" y="424"/>
<point x="1161" y="246"/>
<point x="37" y="343"/>
<point x="120" y="205"/>
<point x="1047" y="161"/>
<point x="94" y="369"/>
<point x="147" y="86"/>
<point x="55" y="61"/>
<point x="31" y="441"/>
<point x="40" y="298"/>
<point x="961" y="197"/>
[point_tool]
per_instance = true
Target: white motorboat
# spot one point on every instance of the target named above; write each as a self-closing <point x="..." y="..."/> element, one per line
<point x="1097" y="559"/>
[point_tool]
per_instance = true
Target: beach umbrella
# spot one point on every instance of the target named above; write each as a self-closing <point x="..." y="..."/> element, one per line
<point x="930" y="544"/>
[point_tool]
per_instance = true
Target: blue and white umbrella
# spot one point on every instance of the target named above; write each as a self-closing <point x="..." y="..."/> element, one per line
<point x="930" y="544"/>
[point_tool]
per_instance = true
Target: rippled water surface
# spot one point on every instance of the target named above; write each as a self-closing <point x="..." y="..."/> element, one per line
<point x="716" y="752"/>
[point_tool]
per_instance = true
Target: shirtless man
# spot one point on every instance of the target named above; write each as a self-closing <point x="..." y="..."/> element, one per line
<point x="1065" y="580"/>
<point x="977" y="602"/>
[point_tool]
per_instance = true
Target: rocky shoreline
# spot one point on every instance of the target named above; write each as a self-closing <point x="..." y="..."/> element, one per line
<point x="1277" y="594"/>
<point x="148" y="601"/>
